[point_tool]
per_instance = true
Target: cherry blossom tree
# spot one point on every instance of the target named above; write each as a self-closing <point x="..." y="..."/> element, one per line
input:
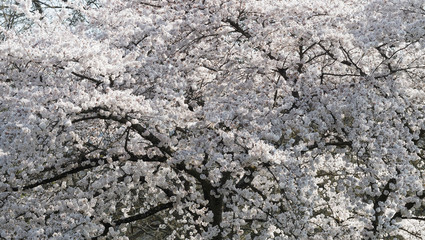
<point x="235" y="119"/>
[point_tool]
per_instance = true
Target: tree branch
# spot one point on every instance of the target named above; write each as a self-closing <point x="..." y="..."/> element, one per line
<point x="238" y="28"/>
<point x="134" y="218"/>
<point x="85" y="164"/>
<point x="142" y="131"/>
<point x="98" y="82"/>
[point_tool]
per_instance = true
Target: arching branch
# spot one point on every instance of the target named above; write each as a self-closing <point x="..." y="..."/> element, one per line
<point x="134" y="218"/>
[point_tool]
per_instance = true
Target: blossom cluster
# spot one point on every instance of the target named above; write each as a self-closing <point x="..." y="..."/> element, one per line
<point x="221" y="119"/>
